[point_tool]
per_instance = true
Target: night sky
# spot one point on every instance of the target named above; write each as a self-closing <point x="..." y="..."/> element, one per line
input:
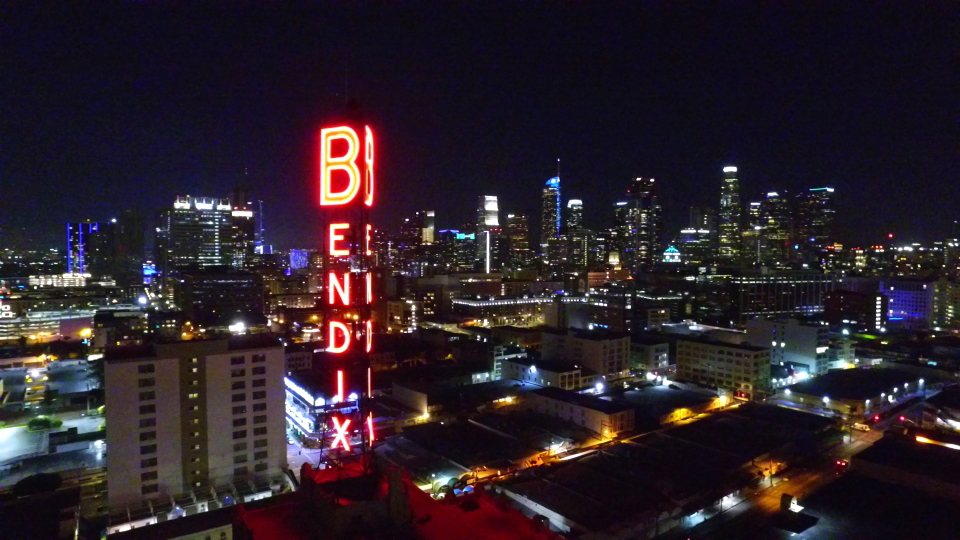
<point x="106" y="106"/>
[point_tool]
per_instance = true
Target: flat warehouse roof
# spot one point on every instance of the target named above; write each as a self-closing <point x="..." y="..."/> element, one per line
<point x="859" y="383"/>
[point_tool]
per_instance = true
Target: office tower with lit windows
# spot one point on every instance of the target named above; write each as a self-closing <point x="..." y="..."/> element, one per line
<point x="642" y="224"/>
<point x="752" y="235"/>
<point x="90" y="247"/>
<point x="202" y="232"/>
<point x="776" y="227"/>
<point x="578" y="238"/>
<point x="730" y="225"/>
<point x="246" y="238"/>
<point x="696" y="246"/>
<point x="698" y="241"/>
<point x="110" y="249"/>
<point x="550" y="213"/>
<point x="517" y="229"/>
<point x="703" y="218"/>
<point x="619" y="235"/>
<point x="457" y="249"/>
<point x="193" y="417"/>
<point x="814" y="218"/>
<point x="429" y="229"/>
<point x="489" y="235"/>
<point x="574" y="215"/>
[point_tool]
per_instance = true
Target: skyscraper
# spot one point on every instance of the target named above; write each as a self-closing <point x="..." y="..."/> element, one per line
<point x="574" y="215"/>
<point x="489" y="241"/>
<point x="90" y="248"/>
<point x="703" y="218"/>
<point x="550" y="213"/>
<point x="646" y="226"/>
<point x="518" y="241"/>
<point x="814" y="216"/>
<point x="200" y="232"/>
<point x="730" y="216"/>
<point x="775" y="220"/>
<point x="191" y="233"/>
<point x="752" y="235"/>
<point x="429" y="231"/>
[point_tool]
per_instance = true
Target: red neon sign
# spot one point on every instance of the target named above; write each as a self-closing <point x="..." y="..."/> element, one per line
<point x="337" y="290"/>
<point x="368" y="177"/>
<point x="346" y="173"/>
<point x="346" y="163"/>
<point x="335" y="237"/>
<point x="341" y="437"/>
<point x="338" y="337"/>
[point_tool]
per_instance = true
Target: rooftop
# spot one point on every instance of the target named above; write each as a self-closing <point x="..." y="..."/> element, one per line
<point x="907" y="454"/>
<point x="556" y="366"/>
<point x="582" y="400"/>
<point x="176" y="349"/>
<point x="718" y="343"/>
<point x="656" y="401"/>
<point x="469" y="445"/>
<point x="857" y="384"/>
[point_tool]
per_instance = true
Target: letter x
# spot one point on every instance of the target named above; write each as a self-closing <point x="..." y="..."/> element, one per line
<point x="341" y="436"/>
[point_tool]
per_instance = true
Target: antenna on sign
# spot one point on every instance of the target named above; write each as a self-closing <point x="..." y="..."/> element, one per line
<point x="558" y="167"/>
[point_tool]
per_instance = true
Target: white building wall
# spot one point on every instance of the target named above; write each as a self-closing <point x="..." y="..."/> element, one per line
<point x="790" y="341"/>
<point x="239" y="432"/>
<point x="123" y="416"/>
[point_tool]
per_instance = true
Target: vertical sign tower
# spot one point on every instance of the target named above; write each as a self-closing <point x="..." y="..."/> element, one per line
<point x="346" y="182"/>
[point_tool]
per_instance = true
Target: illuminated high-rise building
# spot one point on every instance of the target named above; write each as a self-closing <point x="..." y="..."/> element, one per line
<point x="517" y="227"/>
<point x="620" y="234"/>
<point x="775" y="220"/>
<point x="703" y="218"/>
<point x="814" y="218"/>
<point x="643" y="217"/>
<point x="429" y="228"/>
<point x="199" y="232"/>
<point x="488" y="212"/>
<point x="489" y="241"/>
<point x="550" y="213"/>
<point x="752" y="235"/>
<point x="574" y="215"/>
<point x="730" y="216"/>
<point x="90" y="247"/>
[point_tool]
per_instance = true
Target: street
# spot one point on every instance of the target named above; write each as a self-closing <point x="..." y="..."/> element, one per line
<point x="750" y="514"/>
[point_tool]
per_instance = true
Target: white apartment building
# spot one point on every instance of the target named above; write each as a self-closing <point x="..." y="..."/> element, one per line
<point x="606" y="418"/>
<point x="649" y="353"/>
<point x="743" y="370"/>
<point x="191" y="415"/>
<point x="605" y="353"/>
<point x="557" y="373"/>
<point x="792" y="341"/>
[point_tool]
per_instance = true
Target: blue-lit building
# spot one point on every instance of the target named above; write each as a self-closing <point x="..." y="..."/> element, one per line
<point x="911" y="303"/>
<point x="89" y="246"/>
<point x="550" y="213"/>
<point x="299" y="258"/>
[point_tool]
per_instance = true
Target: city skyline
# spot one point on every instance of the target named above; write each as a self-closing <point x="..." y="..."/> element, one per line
<point x="798" y="98"/>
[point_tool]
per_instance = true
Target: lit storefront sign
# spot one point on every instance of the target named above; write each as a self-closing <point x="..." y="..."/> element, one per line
<point x="6" y="311"/>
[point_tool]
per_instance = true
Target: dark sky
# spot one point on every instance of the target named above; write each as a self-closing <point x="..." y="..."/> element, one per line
<point x="106" y="106"/>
